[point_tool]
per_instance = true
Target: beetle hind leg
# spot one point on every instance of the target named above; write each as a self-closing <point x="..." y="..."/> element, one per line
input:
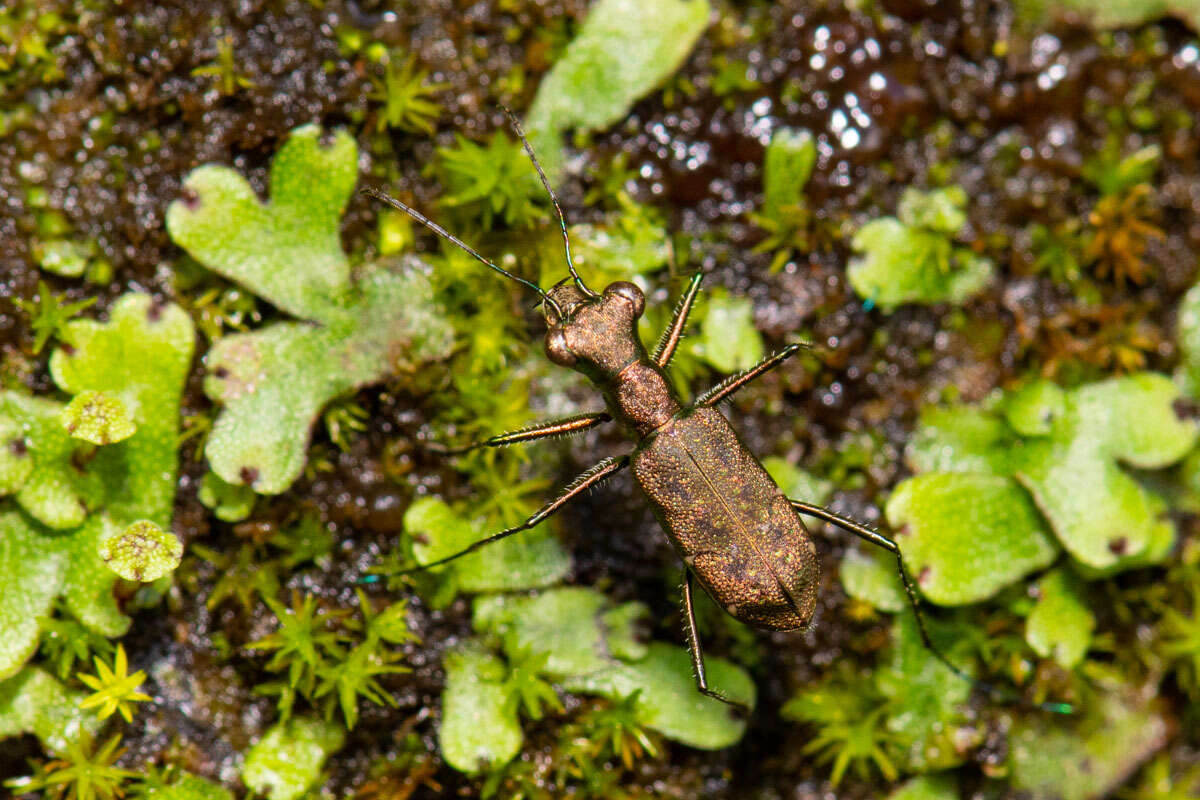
<point x="697" y="652"/>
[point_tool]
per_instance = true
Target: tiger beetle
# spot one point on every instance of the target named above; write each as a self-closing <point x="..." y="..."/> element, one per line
<point x="736" y="531"/>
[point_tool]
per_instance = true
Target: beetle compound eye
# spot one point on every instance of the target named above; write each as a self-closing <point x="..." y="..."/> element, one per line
<point x="630" y="292"/>
<point x="557" y="349"/>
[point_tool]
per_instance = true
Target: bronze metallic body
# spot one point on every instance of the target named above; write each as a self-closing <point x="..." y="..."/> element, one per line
<point x="732" y="526"/>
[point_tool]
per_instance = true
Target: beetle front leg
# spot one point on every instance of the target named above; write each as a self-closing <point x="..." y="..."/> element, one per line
<point x="697" y="653"/>
<point x="541" y="430"/>
<point x="674" y="332"/>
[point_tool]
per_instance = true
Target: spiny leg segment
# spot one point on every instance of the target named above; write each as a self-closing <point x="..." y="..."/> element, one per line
<point x="734" y="382"/>
<point x="674" y="332"/>
<point x="694" y="648"/>
<point x="605" y="469"/>
<point x="566" y="426"/>
<point x="879" y="540"/>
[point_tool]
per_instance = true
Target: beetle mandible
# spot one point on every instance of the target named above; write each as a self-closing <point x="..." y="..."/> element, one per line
<point x="735" y="530"/>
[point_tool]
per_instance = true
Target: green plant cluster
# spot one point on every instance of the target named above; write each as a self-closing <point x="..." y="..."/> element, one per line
<point x="913" y="258"/>
<point x="75" y="503"/>
<point x="1032" y="482"/>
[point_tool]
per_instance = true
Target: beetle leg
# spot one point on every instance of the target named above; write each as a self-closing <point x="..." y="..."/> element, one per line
<point x="694" y="648"/>
<point x="541" y="430"/>
<point x="734" y="382"/>
<point x="587" y="480"/>
<point x="878" y="539"/>
<point x="674" y="332"/>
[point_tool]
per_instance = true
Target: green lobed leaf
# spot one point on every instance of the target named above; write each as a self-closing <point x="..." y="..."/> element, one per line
<point x="1035" y="408"/>
<point x="479" y="726"/>
<point x="39" y="463"/>
<point x="1071" y="461"/>
<point x="914" y="259"/>
<point x="940" y="786"/>
<point x="796" y="483"/>
<point x="966" y="536"/>
<point x="1061" y="622"/>
<point x="728" y="339"/>
<point x="1188" y="336"/>
<point x="624" y="50"/>
<point x="32" y="563"/>
<point x="274" y="382"/>
<point x="34" y="701"/>
<point x="667" y="699"/>
<point x="569" y="626"/>
<point x="286" y="762"/>
<point x="229" y="502"/>
<point x="1108" y="13"/>
<point x="940" y="210"/>
<point x="961" y="439"/>
<point x="872" y="578"/>
<point x="184" y="786"/>
<point x="1099" y="512"/>
<point x="527" y="560"/>
<point x="287" y="251"/>
<point x="140" y="356"/>
<point x="927" y="701"/>
<point x="1086" y="756"/>
<point x="787" y="166"/>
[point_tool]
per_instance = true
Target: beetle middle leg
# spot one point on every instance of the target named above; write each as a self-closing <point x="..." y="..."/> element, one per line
<point x="541" y="430"/>
<point x="694" y="648"/>
<point x="605" y="469"/>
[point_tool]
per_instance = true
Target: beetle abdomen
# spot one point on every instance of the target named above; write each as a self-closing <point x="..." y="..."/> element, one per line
<point x="729" y="521"/>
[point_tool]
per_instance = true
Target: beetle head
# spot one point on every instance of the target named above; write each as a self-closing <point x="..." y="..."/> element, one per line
<point x="596" y="335"/>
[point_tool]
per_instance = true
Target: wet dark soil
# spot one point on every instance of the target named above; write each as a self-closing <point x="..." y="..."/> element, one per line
<point x="914" y="94"/>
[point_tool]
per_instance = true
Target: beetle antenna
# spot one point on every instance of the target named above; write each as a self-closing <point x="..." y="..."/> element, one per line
<point x="562" y="220"/>
<point x="379" y="194"/>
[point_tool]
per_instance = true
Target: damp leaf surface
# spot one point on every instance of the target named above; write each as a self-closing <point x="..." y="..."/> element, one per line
<point x="1061" y="623"/>
<point x="34" y="701"/>
<point x="965" y="536"/>
<point x="624" y="50"/>
<point x="286" y="762"/>
<point x="479" y="726"/>
<point x="913" y="258"/>
<point x="273" y="382"/>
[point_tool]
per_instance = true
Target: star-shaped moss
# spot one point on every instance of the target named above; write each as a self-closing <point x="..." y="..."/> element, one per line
<point x="274" y="382"/>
